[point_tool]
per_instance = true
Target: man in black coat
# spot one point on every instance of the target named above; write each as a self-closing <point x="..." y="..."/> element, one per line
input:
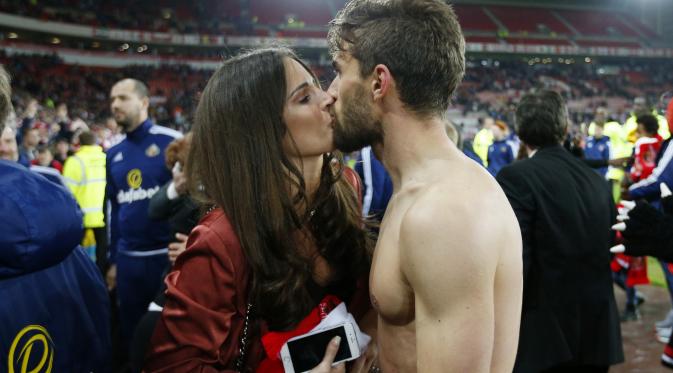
<point x="569" y="319"/>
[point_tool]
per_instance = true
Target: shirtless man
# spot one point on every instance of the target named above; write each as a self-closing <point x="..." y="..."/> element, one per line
<point x="447" y="272"/>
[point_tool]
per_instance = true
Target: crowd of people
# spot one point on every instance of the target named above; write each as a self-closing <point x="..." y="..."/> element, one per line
<point x="207" y="246"/>
<point x="490" y="89"/>
<point x="209" y="17"/>
<point x="495" y="86"/>
<point x="84" y="90"/>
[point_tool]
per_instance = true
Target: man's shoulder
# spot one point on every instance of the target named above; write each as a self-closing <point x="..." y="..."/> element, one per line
<point x="49" y="173"/>
<point x="430" y="224"/>
<point x="13" y="174"/>
<point x="438" y="208"/>
<point x="519" y="167"/>
<point x="92" y="149"/>
<point x="164" y="133"/>
<point x="35" y="177"/>
<point x="474" y="227"/>
<point x="116" y="154"/>
<point x="116" y="148"/>
<point x="88" y="153"/>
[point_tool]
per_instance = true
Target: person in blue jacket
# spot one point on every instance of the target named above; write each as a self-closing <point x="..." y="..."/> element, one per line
<point x="54" y="308"/>
<point x="598" y="147"/>
<point x="377" y="185"/>
<point x="501" y="152"/>
<point x="135" y="172"/>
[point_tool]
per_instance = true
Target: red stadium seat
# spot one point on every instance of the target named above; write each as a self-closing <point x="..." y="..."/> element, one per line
<point x="473" y="18"/>
<point x="519" y="19"/>
<point x="597" y="23"/>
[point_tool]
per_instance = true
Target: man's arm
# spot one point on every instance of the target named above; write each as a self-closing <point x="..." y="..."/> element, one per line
<point x="161" y="205"/>
<point x="111" y="210"/>
<point x="649" y="188"/>
<point x="452" y="275"/>
<point x="521" y="199"/>
<point x="113" y="219"/>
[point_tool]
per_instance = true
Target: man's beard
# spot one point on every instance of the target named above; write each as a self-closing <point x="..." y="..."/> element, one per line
<point x="125" y="122"/>
<point x="356" y="127"/>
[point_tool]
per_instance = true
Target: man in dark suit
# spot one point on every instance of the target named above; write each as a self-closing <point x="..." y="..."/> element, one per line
<point x="569" y="319"/>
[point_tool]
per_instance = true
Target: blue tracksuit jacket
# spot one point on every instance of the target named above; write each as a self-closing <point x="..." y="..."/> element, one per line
<point x="53" y="303"/>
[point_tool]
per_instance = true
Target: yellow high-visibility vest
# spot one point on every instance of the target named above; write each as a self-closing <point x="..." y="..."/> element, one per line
<point x="84" y="174"/>
<point x="482" y="140"/>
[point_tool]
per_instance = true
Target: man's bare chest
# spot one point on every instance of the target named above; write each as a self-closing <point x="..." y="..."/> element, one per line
<point x="391" y="295"/>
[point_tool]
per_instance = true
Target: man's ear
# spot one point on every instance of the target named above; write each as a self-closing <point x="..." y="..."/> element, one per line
<point x="382" y="82"/>
<point x="146" y="102"/>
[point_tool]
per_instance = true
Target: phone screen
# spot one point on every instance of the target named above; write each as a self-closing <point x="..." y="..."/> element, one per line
<point x="308" y="352"/>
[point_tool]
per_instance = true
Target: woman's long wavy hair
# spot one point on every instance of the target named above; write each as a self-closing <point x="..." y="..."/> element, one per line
<point x="237" y="162"/>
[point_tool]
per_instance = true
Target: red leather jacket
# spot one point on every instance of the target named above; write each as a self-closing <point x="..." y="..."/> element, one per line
<point x="206" y="300"/>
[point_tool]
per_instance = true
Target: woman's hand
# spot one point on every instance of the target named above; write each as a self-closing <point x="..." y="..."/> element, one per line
<point x="325" y="365"/>
<point x="365" y="362"/>
<point x="178" y="247"/>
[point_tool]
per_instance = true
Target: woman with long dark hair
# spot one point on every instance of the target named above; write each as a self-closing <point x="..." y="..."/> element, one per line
<point x="284" y="235"/>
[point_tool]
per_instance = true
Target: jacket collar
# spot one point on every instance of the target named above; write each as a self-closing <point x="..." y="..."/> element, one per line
<point x="549" y="150"/>
<point x="139" y="133"/>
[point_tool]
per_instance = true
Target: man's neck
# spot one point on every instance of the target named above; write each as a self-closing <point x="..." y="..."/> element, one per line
<point x="140" y="122"/>
<point x="409" y="143"/>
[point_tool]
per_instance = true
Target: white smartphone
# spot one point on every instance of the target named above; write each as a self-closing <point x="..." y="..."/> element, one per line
<point x="302" y="353"/>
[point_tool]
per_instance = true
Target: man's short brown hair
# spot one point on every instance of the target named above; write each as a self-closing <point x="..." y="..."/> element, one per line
<point x="420" y="41"/>
<point x="87" y="138"/>
<point x="5" y="97"/>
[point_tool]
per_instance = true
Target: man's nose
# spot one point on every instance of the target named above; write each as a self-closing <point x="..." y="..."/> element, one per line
<point x="327" y="100"/>
<point x="333" y="89"/>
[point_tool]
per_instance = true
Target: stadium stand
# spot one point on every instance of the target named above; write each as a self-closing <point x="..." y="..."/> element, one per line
<point x="531" y="20"/>
<point x="473" y="18"/>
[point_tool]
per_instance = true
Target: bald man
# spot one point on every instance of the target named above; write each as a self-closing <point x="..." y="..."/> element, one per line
<point x="135" y="171"/>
